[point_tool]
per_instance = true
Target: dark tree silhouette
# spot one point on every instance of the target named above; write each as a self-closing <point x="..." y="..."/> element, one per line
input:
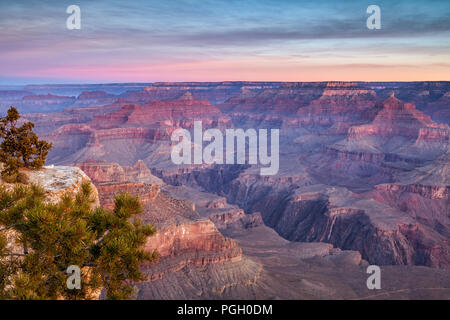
<point x="20" y="146"/>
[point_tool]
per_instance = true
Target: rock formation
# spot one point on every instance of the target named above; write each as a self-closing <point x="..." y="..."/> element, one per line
<point x="363" y="179"/>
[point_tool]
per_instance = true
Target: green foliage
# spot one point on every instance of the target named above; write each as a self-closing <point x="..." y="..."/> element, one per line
<point x="106" y="245"/>
<point x="20" y="146"/>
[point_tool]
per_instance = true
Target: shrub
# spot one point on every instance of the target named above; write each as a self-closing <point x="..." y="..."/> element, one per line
<point x="20" y="146"/>
<point x="106" y="245"/>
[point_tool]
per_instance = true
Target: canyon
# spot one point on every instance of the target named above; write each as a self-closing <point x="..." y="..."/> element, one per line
<point x="363" y="179"/>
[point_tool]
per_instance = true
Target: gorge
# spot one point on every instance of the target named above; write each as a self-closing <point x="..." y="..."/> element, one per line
<point x="363" y="179"/>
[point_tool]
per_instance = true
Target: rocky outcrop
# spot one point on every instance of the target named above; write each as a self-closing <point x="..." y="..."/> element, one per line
<point x="108" y="191"/>
<point x="44" y="103"/>
<point x="236" y="219"/>
<point x="163" y="113"/>
<point x="429" y="97"/>
<point x="133" y="126"/>
<point x="112" y="179"/>
<point x="57" y="181"/>
<point x="361" y="170"/>
<point x="395" y="119"/>
<point x="197" y="244"/>
<point x="400" y="137"/>
<point x="382" y="233"/>
<point x="45" y="122"/>
<point x="423" y="194"/>
<point x="286" y="98"/>
<point x="91" y="98"/>
<point x="105" y="172"/>
<point x="10" y="98"/>
<point x="214" y="92"/>
<point x="183" y="238"/>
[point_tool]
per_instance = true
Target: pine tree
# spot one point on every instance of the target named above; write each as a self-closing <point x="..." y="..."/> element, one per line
<point x="105" y="244"/>
<point x="20" y="146"/>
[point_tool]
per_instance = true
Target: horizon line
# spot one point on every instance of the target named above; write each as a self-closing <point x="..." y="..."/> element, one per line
<point x="222" y="81"/>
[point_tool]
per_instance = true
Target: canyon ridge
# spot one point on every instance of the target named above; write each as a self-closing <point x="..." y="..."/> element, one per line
<point x="364" y="179"/>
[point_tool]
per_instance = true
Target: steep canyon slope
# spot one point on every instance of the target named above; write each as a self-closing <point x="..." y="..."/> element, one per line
<point x="364" y="172"/>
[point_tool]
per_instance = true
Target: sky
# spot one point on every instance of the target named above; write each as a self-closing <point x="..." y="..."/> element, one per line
<point x="215" y="40"/>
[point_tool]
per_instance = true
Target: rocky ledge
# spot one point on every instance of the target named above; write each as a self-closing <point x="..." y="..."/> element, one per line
<point x="57" y="181"/>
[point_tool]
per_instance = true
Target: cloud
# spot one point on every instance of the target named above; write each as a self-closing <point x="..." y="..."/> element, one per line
<point x="124" y="33"/>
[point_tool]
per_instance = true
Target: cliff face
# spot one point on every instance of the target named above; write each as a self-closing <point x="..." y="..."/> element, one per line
<point x="401" y="224"/>
<point x="395" y="120"/>
<point x="215" y="92"/>
<point x="363" y="167"/>
<point x="183" y="238"/>
<point x="333" y="134"/>
<point x="43" y="103"/>
<point x="104" y="172"/>
<point x="191" y="244"/>
<point x="133" y="127"/>
<point x="90" y="98"/>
